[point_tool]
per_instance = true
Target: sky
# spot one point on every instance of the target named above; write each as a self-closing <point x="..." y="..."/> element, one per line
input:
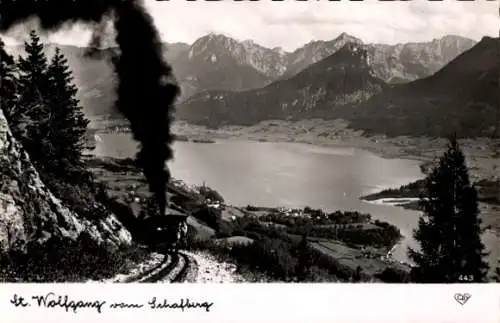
<point x="290" y="24"/>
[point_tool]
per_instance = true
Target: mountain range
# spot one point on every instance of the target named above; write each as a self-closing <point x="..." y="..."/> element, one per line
<point x="429" y="88"/>
<point x="343" y="79"/>
<point x="217" y="62"/>
<point x="460" y="98"/>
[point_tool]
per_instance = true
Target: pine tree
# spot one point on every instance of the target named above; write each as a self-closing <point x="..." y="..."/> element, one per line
<point x="34" y="66"/>
<point x="67" y="123"/>
<point x="449" y="232"/>
<point x="32" y="111"/>
<point x="8" y="83"/>
<point x="305" y="261"/>
<point x="51" y="123"/>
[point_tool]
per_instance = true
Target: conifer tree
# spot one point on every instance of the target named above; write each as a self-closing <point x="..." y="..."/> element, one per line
<point x="34" y="66"/>
<point x="67" y="124"/>
<point x="8" y="83"/>
<point x="449" y="232"/>
<point x="305" y="261"/>
<point x="32" y="113"/>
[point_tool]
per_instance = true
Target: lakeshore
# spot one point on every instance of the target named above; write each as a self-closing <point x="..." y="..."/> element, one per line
<point x="480" y="153"/>
<point x="354" y="231"/>
<point x="407" y="196"/>
<point x="483" y="154"/>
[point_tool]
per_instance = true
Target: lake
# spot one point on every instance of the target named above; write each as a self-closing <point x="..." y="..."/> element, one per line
<point x="289" y="175"/>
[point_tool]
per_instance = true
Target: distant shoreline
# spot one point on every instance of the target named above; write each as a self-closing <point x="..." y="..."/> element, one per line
<point x="323" y="133"/>
<point x="483" y="153"/>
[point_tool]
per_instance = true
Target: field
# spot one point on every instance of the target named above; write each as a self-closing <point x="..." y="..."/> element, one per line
<point x="371" y="262"/>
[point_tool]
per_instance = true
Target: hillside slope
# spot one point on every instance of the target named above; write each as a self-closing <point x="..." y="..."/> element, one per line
<point x="217" y="62"/>
<point x="29" y="212"/>
<point x="462" y="97"/>
<point x="342" y="80"/>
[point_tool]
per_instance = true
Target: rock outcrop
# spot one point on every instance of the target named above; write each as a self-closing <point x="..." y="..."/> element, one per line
<point x="29" y="212"/>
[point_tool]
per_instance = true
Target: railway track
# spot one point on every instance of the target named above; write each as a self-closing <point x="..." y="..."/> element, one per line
<point x="141" y="276"/>
<point x="173" y="268"/>
<point x="182" y="274"/>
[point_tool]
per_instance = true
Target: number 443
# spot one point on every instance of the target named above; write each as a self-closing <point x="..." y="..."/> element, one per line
<point x="466" y="278"/>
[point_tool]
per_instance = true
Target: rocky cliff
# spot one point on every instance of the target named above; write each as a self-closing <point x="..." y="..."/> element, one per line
<point x="29" y="212"/>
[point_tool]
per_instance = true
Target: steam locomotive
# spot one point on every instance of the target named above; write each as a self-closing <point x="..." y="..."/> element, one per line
<point x="165" y="233"/>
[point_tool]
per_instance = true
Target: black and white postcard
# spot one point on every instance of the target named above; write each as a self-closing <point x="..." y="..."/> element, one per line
<point x="332" y="142"/>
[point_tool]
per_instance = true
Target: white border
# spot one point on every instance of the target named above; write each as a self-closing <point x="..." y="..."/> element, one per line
<point x="263" y="303"/>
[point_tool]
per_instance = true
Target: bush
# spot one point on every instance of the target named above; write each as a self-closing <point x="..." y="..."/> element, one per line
<point x="387" y="235"/>
<point x="209" y="216"/>
<point x="271" y="256"/>
<point x="332" y="266"/>
<point x="210" y="193"/>
<point x="277" y="256"/>
<point x="79" y="193"/>
<point x="224" y="229"/>
<point x="275" y="252"/>
<point x="64" y="260"/>
<point x="393" y="275"/>
<point x="251" y="208"/>
<point x="347" y="217"/>
<point x="253" y="235"/>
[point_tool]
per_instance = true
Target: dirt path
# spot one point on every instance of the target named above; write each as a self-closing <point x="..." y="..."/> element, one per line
<point x="187" y="267"/>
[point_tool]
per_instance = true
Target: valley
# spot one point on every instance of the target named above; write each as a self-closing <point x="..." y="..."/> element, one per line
<point x="216" y="62"/>
<point x="336" y="124"/>
<point x="460" y="98"/>
<point x="361" y="248"/>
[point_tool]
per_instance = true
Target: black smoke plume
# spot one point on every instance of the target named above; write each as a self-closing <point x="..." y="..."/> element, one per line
<point x="146" y="89"/>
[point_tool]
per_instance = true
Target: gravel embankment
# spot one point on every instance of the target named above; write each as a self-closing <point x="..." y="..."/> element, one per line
<point x="206" y="269"/>
<point x="212" y="271"/>
<point x="152" y="261"/>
